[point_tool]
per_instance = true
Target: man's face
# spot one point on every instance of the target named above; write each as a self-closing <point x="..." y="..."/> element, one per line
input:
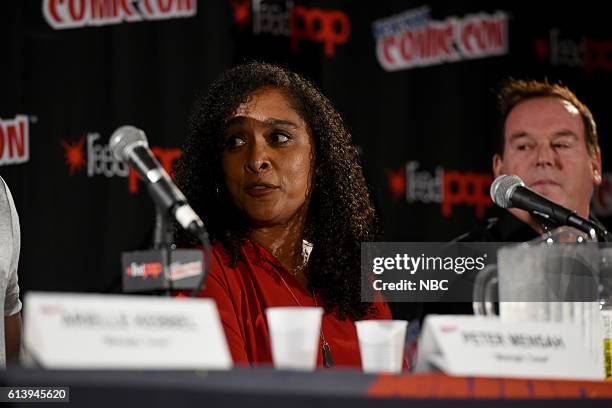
<point x="545" y="145"/>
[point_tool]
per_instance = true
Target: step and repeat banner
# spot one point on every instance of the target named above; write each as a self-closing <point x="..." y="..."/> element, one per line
<point x="415" y="81"/>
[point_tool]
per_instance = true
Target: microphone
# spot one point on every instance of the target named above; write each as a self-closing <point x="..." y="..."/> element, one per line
<point x="509" y="191"/>
<point x="129" y="144"/>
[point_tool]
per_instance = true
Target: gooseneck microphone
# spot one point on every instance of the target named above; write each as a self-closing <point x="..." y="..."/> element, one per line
<point x="163" y="268"/>
<point x="509" y="191"/>
<point x="130" y="144"/>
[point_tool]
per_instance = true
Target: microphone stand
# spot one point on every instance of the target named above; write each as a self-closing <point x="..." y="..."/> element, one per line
<point x="545" y="223"/>
<point x="162" y="236"/>
<point x="177" y="269"/>
<point x="594" y="231"/>
<point x="162" y="241"/>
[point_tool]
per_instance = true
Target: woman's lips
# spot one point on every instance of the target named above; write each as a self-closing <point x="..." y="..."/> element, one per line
<point x="258" y="190"/>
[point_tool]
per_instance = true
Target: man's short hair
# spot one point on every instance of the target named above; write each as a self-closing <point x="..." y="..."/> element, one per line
<point x="515" y="91"/>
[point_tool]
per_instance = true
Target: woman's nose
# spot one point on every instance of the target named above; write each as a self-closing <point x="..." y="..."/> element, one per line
<point x="258" y="159"/>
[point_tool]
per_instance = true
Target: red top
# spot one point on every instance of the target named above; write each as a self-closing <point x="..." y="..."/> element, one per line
<point x="243" y="293"/>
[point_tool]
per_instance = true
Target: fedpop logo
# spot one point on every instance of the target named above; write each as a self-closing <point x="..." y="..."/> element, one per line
<point x="587" y="53"/>
<point x="101" y="162"/>
<point x="272" y="18"/>
<point x="449" y="188"/>
<point x="282" y="18"/>
<point x="241" y="9"/>
<point x="329" y="27"/>
<point x="144" y="270"/>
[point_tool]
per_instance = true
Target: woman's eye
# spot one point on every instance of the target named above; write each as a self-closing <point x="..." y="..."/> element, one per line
<point x="233" y="142"/>
<point x="280" y="138"/>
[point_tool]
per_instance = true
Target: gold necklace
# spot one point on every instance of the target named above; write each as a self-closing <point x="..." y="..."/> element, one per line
<point x="327" y="357"/>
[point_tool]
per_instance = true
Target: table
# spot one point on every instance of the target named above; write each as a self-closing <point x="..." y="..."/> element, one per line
<point x="266" y="387"/>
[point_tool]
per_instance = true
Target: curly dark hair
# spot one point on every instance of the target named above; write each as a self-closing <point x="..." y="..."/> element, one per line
<point x="340" y="213"/>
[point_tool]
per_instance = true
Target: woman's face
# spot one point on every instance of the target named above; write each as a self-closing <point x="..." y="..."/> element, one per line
<point x="268" y="159"/>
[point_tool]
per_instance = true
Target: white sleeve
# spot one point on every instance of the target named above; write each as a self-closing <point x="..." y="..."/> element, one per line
<point x="12" y="304"/>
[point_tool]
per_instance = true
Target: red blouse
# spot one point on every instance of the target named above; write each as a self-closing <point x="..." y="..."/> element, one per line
<point x="243" y="293"/>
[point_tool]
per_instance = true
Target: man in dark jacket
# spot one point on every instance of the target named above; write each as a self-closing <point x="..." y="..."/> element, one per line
<point x="549" y="139"/>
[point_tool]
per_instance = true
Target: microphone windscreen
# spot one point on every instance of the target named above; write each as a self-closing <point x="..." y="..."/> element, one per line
<point x="124" y="139"/>
<point x="502" y="189"/>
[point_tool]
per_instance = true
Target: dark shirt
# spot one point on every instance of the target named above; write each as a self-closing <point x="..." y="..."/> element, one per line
<point x="505" y="228"/>
<point x="508" y="228"/>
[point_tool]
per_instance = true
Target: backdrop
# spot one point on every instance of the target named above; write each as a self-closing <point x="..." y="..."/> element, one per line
<point x="415" y="82"/>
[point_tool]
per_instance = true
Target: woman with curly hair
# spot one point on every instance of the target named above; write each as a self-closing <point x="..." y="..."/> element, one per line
<point x="270" y="165"/>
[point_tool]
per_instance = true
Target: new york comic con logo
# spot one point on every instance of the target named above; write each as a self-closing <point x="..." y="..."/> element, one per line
<point x="282" y="18"/>
<point x="61" y="14"/>
<point x="412" y="39"/>
<point x="98" y="160"/>
<point x="14" y="140"/>
<point x="448" y="188"/>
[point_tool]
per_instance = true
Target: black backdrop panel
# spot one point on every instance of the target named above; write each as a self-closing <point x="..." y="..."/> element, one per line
<point x="425" y="125"/>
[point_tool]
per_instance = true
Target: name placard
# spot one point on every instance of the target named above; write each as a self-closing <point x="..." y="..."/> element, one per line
<point x="73" y="331"/>
<point x="490" y="347"/>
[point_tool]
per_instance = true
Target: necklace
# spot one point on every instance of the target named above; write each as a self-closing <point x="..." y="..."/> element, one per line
<point x="299" y="268"/>
<point x="327" y="357"/>
<point x="306" y="248"/>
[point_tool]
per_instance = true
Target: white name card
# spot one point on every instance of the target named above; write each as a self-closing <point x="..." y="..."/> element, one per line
<point x="489" y="347"/>
<point x="85" y="331"/>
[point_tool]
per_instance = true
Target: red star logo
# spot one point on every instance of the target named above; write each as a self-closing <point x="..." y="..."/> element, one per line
<point x="242" y="11"/>
<point x="541" y="48"/>
<point x="397" y="182"/>
<point x="75" y="157"/>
